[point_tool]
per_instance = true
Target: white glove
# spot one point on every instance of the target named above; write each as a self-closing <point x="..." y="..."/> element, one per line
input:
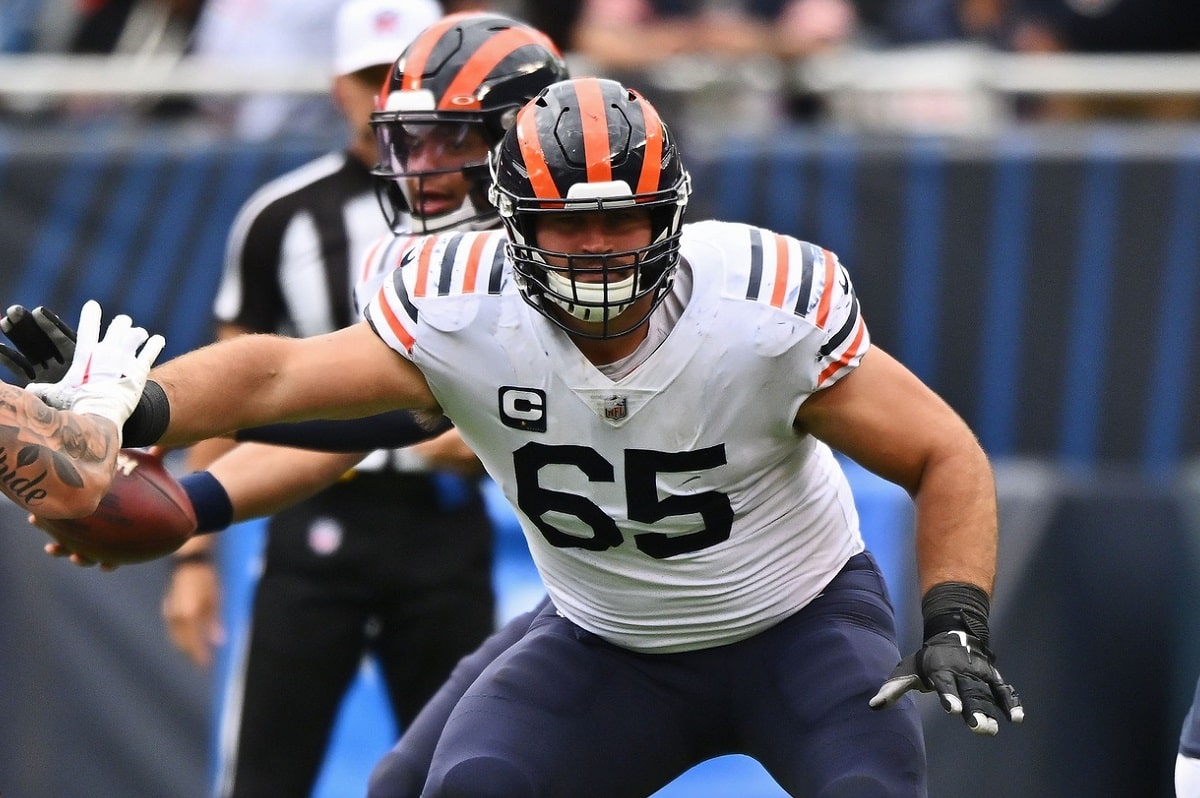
<point x="107" y="375"/>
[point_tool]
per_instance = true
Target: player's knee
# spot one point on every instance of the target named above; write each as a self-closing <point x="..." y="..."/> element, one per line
<point x="484" y="777"/>
<point x="396" y="776"/>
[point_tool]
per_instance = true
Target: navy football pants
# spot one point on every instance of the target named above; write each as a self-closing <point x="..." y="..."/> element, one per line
<point x="562" y="712"/>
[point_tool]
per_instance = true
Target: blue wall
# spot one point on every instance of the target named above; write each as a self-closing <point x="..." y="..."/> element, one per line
<point x="1043" y="282"/>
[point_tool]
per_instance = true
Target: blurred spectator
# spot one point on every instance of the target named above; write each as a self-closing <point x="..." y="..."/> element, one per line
<point x="628" y="33"/>
<point x="1095" y="27"/>
<point x="95" y="27"/>
<point x="907" y="22"/>
<point x="632" y="34"/>
<point x="276" y="33"/>
<point x="273" y="34"/>
<point x="1100" y="26"/>
<point x="19" y="25"/>
<point x="621" y="38"/>
<point x="555" y="18"/>
<point x="134" y="26"/>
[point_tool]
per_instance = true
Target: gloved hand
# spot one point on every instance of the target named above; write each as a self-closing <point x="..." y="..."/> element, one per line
<point x="956" y="662"/>
<point x="106" y="376"/>
<point x="44" y="344"/>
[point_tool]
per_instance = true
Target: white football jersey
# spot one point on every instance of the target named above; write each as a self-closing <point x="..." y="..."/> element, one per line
<point x="383" y="256"/>
<point x="675" y="508"/>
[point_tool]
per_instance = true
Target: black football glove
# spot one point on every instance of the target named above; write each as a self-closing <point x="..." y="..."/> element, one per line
<point x="44" y="344"/>
<point x="955" y="661"/>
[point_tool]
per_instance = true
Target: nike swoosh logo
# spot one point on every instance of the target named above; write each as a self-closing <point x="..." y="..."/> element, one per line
<point x="845" y="283"/>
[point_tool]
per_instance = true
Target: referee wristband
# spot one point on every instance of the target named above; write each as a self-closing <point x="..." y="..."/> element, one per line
<point x="210" y="501"/>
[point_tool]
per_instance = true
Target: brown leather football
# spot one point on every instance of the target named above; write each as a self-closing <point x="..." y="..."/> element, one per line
<point x="145" y="515"/>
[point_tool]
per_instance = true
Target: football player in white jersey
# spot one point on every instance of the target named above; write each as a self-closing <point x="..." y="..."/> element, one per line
<point x="453" y="93"/>
<point x="659" y="403"/>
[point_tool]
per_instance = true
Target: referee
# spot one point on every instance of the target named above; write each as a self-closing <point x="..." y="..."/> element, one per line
<point x="393" y="561"/>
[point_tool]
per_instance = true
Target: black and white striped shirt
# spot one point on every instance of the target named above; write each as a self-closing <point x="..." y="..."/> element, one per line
<point x="291" y="257"/>
<point x="294" y="253"/>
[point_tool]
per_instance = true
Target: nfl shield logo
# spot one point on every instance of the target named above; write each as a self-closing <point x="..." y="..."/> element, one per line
<point x="615" y="408"/>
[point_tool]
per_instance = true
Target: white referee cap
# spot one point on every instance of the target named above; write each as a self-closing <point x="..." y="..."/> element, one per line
<point x="374" y="32"/>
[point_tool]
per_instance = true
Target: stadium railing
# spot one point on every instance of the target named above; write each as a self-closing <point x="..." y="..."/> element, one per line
<point x="961" y="87"/>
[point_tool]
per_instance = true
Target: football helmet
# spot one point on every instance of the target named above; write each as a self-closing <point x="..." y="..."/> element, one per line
<point x="448" y="99"/>
<point x="590" y="145"/>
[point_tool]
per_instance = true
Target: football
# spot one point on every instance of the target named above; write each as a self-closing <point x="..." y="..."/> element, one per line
<point x="145" y="515"/>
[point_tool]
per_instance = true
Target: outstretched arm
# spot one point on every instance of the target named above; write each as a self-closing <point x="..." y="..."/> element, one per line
<point x="253" y="380"/>
<point x="45" y="348"/>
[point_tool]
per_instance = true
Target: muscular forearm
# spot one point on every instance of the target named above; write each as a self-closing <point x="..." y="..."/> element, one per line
<point x="225" y="386"/>
<point x="55" y="464"/>
<point x="261" y="479"/>
<point x="890" y="423"/>
<point x="957" y="520"/>
<point x="254" y="380"/>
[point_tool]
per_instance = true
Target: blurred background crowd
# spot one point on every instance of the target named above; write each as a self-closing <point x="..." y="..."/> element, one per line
<point x="1014" y="185"/>
<point x="786" y="54"/>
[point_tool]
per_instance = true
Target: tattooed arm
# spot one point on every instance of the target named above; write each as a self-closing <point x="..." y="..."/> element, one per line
<point x="59" y="463"/>
<point x="53" y="463"/>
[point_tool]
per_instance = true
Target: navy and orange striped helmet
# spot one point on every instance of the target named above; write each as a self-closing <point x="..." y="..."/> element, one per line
<point x="590" y="145"/>
<point x="451" y="96"/>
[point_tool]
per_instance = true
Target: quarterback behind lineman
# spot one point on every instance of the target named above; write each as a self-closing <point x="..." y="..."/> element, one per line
<point x="659" y="404"/>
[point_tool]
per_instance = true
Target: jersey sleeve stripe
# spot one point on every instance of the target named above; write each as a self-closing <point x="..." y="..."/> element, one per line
<point x="445" y="281"/>
<point x="850" y="357"/>
<point x="756" y="264"/>
<point x="842" y="334"/>
<point x="368" y="262"/>
<point x="421" y="286"/>
<point x="827" y="288"/>
<point x="472" y="271"/>
<point x="777" y="274"/>
<point x="394" y="325"/>
<point x="806" y="275"/>
<point x="496" y="273"/>
<point x="781" y="271"/>
<point x="401" y="291"/>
